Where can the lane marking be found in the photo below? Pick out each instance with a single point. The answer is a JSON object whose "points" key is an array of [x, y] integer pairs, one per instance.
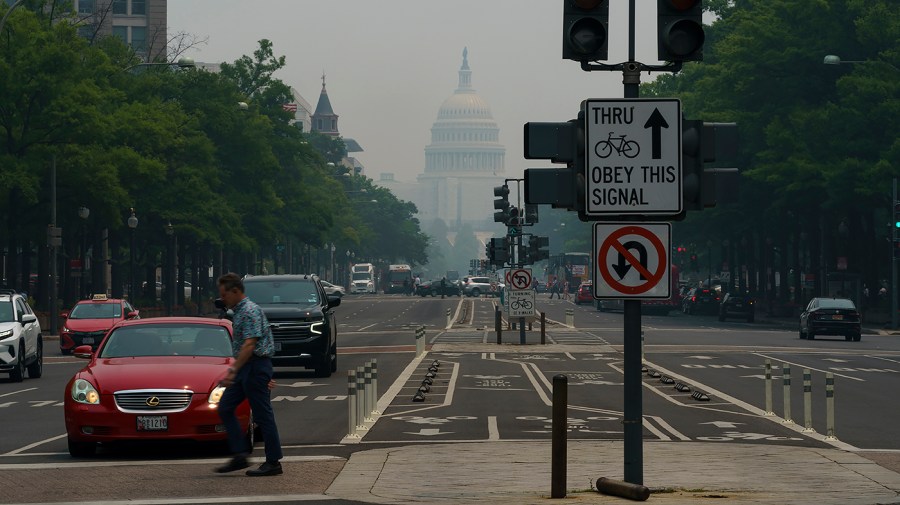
{"points": [[873, 357], [652, 429], [30, 446], [448, 398], [570, 356], [806, 366], [230, 499], [366, 327], [108, 464], [493, 429], [668, 427], [17, 392]]}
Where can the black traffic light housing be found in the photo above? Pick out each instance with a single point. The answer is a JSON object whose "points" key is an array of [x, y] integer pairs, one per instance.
{"points": [[497, 251], [705, 143], [680, 30], [585, 30], [538, 249], [501, 204], [559, 143]]}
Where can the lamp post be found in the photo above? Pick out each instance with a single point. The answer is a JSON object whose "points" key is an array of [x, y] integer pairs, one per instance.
{"points": [[332, 263], [170, 268], [348, 269], [11, 8], [132, 225], [83, 213]]}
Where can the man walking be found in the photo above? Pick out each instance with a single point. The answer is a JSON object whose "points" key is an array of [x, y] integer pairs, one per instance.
{"points": [[248, 378]]}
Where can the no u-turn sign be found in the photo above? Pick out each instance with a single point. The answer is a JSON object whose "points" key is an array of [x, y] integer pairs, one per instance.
{"points": [[632, 260]]}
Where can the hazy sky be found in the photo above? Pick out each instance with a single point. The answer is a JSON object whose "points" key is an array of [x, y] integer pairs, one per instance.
{"points": [[391, 63]]}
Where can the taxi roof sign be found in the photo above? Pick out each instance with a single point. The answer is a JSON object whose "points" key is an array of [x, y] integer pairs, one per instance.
{"points": [[99, 298]]}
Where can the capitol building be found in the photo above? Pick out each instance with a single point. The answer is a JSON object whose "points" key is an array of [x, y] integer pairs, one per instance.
{"points": [[463, 162]]}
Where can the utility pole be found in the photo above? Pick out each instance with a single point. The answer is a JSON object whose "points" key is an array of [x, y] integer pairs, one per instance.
{"points": [[55, 237]]}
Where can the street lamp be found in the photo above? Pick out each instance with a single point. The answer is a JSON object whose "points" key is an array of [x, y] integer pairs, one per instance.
{"points": [[83, 213], [132, 225], [170, 268], [332, 262]]}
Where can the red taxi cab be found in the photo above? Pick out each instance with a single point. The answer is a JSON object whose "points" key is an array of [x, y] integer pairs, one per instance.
{"points": [[89, 320], [152, 379]]}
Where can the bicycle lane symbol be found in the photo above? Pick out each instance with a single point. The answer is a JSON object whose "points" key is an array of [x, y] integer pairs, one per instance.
{"points": [[627, 148], [648, 280]]}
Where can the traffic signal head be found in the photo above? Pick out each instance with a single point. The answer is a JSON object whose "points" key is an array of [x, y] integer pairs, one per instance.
{"points": [[501, 204], [538, 249], [897, 215], [515, 214], [585, 30], [680, 30], [531, 213]]}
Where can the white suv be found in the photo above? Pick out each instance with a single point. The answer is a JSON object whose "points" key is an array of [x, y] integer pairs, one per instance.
{"points": [[21, 346], [477, 286]]}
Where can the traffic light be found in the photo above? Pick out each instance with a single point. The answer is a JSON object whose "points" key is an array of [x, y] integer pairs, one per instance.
{"points": [[692, 164], [704, 143], [897, 217], [559, 143], [585, 30], [515, 215], [680, 36], [501, 204], [531, 213], [694, 266], [498, 251], [538, 249]]}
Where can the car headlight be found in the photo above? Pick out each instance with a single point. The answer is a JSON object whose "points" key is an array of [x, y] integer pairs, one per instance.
{"points": [[316, 327], [84, 392], [215, 395], [5, 334], [65, 330]]}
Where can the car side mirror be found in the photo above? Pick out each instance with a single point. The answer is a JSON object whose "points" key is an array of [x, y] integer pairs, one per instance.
{"points": [[133, 314], [83, 351], [219, 303], [28, 318], [333, 301]]}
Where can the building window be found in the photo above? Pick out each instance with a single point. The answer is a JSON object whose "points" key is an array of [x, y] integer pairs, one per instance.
{"points": [[120, 7], [121, 32], [139, 39], [85, 6], [138, 7]]}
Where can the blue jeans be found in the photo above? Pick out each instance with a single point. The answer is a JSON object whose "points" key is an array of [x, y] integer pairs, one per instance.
{"points": [[252, 383]]}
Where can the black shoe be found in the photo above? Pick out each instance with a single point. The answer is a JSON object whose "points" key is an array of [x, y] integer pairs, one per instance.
{"points": [[266, 469], [237, 463]]}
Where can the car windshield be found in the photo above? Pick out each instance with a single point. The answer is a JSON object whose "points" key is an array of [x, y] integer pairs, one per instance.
{"points": [[7, 314], [836, 303], [362, 276], [167, 340], [288, 292], [96, 311]]}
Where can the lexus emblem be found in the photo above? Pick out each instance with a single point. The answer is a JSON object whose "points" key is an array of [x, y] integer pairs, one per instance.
{"points": [[153, 401]]}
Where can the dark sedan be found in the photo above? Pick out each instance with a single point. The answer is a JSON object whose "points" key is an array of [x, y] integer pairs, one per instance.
{"points": [[435, 288], [830, 316], [701, 300], [738, 306]]}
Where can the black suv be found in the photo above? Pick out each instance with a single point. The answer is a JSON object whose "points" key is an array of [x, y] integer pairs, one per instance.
{"points": [[301, 317]]}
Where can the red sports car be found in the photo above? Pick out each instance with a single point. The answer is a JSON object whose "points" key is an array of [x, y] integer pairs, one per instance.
{"points": [[89, 320], [152, 379]]}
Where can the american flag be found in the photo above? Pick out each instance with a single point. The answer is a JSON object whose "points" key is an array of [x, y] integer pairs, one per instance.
{"points": [[290, 107]]}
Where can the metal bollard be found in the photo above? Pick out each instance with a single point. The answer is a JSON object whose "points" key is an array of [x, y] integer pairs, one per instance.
{"points": [[786, 380], [420, 340], [367, 402], [448, 317], [351, 403], [360, 394], [829, 407], [570, 318], [375, 410], [769, 410], [543, 327], [559, 427], [498, 324], [623, 489], [807, 401], [642, 346]]}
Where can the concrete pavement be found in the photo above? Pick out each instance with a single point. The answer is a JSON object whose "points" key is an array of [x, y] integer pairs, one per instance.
{"points": [[518, 472]]}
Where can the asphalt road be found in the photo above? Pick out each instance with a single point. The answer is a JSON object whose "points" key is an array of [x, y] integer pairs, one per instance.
{"points": [[483, 391]]}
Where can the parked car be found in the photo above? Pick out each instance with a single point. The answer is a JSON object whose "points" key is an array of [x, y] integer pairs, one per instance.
{"points": [[433, 288], [301, 316], [89, 320], [152, 379], [584, 294], [701, 301], [830, 316], [21, 342], [333, 289], [737, 305]]}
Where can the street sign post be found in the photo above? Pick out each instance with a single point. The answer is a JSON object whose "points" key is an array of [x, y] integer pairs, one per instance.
{"points": [[632, 157], [632, 260], [521, 302]]}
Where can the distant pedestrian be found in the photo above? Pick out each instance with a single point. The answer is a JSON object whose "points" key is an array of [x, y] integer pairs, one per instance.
{"points": [[250, 378], [554, 289], [566, 291]]}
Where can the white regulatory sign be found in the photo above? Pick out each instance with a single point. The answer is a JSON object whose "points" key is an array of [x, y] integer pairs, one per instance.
{"points": [[632, 260], [519, 278], [521, 302], [633, 157]]}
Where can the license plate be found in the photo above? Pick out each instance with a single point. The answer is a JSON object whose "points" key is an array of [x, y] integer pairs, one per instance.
{"points": [[152, 423], [738, 305], [87, 340], [277, 346], [837, 317]]}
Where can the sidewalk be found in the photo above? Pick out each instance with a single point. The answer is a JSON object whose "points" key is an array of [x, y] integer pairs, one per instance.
{"points": [[518, 472]]}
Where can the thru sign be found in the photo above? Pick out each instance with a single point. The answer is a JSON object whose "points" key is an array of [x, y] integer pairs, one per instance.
{"points": [[633, 156]]}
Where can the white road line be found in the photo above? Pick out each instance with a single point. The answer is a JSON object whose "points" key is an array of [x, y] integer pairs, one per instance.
{"points": [[662, 436], [229, 499], [806, 366], [366, 327], [30, 446], [484, 355], [121, 463], [666, 426], [448, 398], [596, 410], [873, 357], [493, 430], [570, 356], [17, 392], [537, 386]]}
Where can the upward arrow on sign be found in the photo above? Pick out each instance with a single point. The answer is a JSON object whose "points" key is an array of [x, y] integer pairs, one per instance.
{"points": [[656, 122]]}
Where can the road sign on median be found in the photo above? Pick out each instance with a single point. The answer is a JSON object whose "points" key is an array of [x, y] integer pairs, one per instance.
{"points": [[520, 302], [632, 260], [633, 157]]}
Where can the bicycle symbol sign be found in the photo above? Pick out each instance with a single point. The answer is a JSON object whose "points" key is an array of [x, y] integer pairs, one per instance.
{"points": [[632, 260], [521, 302], [633, 157]]}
